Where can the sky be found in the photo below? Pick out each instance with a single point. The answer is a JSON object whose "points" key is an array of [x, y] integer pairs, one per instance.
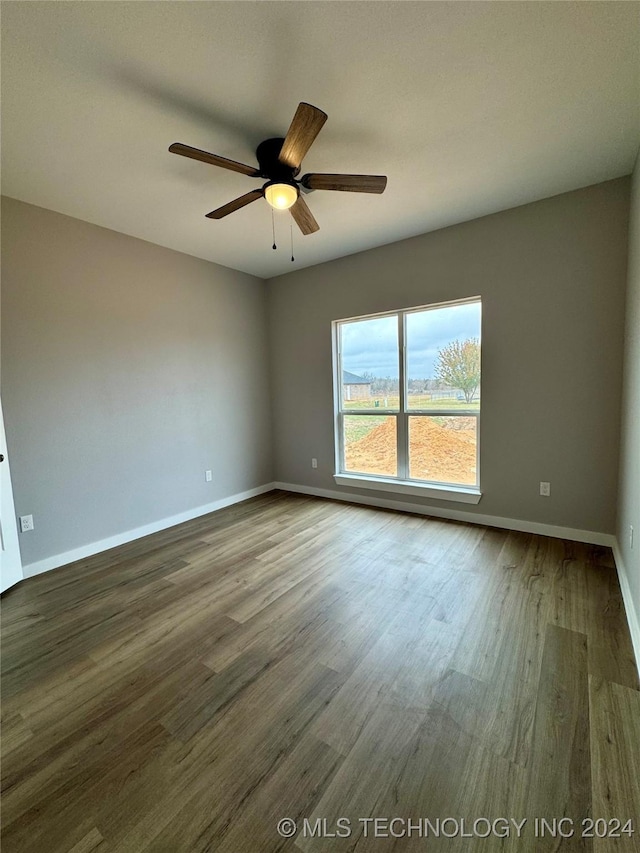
{"points": [[372, 345]]}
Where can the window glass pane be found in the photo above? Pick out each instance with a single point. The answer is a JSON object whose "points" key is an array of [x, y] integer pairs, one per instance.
{"points": [[443, 449], [443, 357], [370, 444], [370, 363]]}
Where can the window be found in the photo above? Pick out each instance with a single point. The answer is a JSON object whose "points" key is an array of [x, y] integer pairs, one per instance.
{"points": [[407, 394]]}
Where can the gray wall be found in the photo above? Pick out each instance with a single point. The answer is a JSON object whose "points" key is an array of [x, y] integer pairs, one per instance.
{"points": [[629, 495], [552, 280], [127, 370]]}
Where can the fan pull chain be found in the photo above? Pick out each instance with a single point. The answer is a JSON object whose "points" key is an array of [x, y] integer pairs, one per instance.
{"points": [[291, 228], [273, 230]]}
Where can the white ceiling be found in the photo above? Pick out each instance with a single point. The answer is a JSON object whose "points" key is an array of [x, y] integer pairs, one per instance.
{"points": [[469, 108]]}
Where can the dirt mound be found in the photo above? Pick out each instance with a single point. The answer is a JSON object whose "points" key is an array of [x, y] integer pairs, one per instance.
{"points": [[442, 449]]}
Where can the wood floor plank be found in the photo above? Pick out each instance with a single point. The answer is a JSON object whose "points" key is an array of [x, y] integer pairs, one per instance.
{"points": [[251, 822], [91, 841], [289, 621], [480, 796], [57, 757], [15, 732], [225, 761], [380, 747], [53, 820], [559, 783], [615, 761], [402, 669], [297, 657], [486, 627], [613, 663]]}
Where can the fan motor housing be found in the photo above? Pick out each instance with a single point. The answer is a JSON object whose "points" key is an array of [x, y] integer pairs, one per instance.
{"points": [[267, 154]]}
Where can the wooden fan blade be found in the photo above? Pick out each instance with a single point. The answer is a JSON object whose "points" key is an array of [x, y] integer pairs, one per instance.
{"points": [[303, 217], [346, 183], [236, 204], [306, 125], [214, 159]]}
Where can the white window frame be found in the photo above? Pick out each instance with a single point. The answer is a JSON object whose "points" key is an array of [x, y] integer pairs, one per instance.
{"points": [[402, 483]]}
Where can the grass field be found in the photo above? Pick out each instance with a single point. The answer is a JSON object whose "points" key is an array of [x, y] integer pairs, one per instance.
{"points": [[415, 401], [358, 427]]}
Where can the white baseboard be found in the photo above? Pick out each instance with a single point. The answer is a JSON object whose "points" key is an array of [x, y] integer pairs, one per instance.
{"points": [[92, 548], [589, 536], [633, 617]]}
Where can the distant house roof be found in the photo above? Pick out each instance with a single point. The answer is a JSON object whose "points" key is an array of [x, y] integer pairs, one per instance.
{"points": [[353, 379]]}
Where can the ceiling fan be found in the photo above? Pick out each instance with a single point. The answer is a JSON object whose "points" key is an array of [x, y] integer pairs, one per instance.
{"points": [[279, 161]]}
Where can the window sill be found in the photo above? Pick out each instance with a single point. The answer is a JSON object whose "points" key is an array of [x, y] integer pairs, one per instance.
{"points": [[461, 494]]}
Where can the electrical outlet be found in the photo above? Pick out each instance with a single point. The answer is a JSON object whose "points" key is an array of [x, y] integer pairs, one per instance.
{"points": [[26, 523], [631, 536], [314, 463], [545, 489], [207, 476]]}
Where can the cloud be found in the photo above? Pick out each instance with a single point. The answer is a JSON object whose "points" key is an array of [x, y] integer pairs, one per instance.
{"points": [[371, 346]]}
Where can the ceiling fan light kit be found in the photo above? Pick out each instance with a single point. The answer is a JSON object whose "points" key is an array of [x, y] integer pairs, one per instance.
{"points": [[279, 161], [281, 196]]}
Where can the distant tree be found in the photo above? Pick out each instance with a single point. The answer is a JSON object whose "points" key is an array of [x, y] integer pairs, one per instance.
{"points": [[384, 385], [458, 365]]}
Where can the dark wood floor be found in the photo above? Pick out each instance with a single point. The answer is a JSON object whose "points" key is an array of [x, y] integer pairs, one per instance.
{"points": [[293, 657]]}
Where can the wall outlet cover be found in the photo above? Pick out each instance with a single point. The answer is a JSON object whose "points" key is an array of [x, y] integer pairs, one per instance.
{"points": [[26, 523]]}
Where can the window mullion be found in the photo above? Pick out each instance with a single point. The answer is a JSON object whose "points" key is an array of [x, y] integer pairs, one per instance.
{"points": [[402, 431], [338, 403]]}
